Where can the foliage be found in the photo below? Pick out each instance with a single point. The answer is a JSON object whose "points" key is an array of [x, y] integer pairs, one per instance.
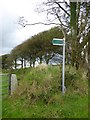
{"points": [[5, 61], [72, 17], [37, 47]]}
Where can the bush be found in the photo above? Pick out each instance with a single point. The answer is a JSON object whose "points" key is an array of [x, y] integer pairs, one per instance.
{"points": [[41, 83], [76, 80]]}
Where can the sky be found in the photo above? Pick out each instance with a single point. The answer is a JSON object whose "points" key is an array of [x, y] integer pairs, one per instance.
{"points": [[11, 33]]}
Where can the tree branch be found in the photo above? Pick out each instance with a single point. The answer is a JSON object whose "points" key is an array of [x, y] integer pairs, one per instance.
{"points": [[63, 31], [62, 8], [24, 25]]}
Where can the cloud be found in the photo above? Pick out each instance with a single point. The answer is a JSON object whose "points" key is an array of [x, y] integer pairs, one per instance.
{"points": [[8, 28], [11, 34]]}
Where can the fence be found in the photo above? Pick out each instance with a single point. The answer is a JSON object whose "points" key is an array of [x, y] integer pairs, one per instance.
{"points": [[8, 83]]}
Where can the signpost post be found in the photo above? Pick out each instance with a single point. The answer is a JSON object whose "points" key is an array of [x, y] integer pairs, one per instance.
{"points": [[61, 42]]}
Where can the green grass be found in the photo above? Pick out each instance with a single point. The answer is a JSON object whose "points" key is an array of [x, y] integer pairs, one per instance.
{"points": [[67, 107], [39, 94], [3, 90]]}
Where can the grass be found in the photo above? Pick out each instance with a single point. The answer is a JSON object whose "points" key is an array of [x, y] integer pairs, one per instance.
{"points": [[39, 94], [4, 83], [3, 90]]}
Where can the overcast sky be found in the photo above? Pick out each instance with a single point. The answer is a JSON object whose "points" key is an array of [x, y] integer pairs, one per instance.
{"points": [[11, 34]]}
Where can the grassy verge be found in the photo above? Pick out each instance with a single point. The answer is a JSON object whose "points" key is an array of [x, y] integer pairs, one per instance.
{"points": [[39, 94]]}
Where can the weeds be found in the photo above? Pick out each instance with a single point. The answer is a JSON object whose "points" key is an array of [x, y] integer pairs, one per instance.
{"points": [[39, 94]]}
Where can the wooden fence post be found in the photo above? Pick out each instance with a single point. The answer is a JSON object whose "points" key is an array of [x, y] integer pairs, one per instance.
{"points": [[9, 91]]}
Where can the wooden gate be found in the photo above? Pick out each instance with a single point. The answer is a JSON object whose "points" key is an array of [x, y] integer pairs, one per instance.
{"points": [[5, 84]]}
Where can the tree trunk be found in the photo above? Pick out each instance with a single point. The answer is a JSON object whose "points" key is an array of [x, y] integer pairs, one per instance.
{"points": [[33, 63], [47, 61], [89, 55], [74, 33], [40, 59], [73, 53], [15, 63], [30, 63], [24, 63]]}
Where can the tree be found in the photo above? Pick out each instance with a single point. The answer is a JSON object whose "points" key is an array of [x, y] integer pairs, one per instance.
{"points": [[71, 18], [6, 62], [38, 47], [78, 30]]}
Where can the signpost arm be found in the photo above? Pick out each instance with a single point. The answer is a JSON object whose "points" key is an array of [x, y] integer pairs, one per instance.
{"points": [[63, 69]]}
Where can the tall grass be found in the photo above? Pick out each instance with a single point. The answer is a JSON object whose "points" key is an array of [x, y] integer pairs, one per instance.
{"points": [[39, 94]]}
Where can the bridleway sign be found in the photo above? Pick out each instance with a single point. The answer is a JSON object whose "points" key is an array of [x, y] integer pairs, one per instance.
{"points": [[61, 42]]}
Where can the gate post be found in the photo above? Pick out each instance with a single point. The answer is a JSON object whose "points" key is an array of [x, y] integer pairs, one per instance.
{"points": [[9, 88], [14, 83]]}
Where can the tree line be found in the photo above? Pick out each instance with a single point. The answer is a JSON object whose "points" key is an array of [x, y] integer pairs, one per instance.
{"points": [[72, 19], [37, 48]]}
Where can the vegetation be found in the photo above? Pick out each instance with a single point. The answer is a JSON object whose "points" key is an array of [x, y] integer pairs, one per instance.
{"points": [[37, 48], [39, 94], [73, 18], [5, 61]]}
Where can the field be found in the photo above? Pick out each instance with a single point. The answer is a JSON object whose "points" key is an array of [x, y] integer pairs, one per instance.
{"points": [[0, 97], [3, 89], [39, 94]]}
